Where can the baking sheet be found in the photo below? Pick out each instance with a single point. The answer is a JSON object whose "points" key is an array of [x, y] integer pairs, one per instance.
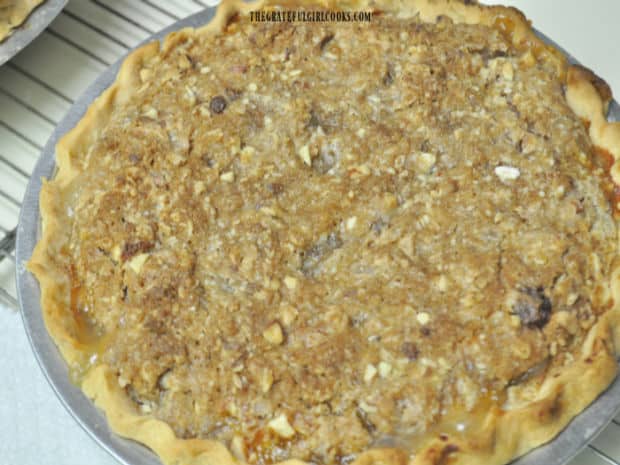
{"points": [[34, 24], [559, 452]]}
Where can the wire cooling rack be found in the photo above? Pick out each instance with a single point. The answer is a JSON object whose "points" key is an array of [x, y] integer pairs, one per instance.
{"points": [[39, 85]]}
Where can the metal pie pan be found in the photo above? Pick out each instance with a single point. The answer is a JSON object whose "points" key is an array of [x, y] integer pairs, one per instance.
{"points": [[32, 26], [558, 452]]}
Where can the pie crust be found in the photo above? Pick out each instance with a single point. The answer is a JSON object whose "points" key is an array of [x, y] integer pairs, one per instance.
{"points": [[13, 13], [502, 435]]}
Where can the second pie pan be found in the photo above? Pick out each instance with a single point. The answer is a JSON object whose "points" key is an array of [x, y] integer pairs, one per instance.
{"points": [[558, 452], [35, 24]]}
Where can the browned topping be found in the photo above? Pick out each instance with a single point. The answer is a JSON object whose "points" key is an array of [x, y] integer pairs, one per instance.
{"points": [[347, 245], [132, 248]]}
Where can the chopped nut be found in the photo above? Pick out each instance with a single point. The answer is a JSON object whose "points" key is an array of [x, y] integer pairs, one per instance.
{"points": [[151, 112], [281, 426], [238, 382], [571, 298], [205, 70], [567, 320], [190, 96], [228, 176], [390, 201], [521, 349], [137, 262], [177, 159], [304, 154], [122, 381], [274, 334], [247, 154], [369, 373], [252, 87], [507, 173], [384, 369], [427, 362], [361, 170], [423, 318], [443, 363], [183, 62], [406, 245], [238, 449], [351, 222], [231, 407], [199, 187], [266, 380], [425, 161], [442, 283], [269, 211], [290, 282], [508, 71], [116, 253], [528, 59], [288, 315], [238, 368], [367, 407]]}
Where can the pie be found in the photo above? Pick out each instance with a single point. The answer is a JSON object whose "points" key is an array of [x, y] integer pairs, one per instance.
{"points": [[374, 242], [13, 13]]}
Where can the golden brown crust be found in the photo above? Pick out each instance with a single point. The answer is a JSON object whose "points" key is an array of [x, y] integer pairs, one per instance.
{"points": [[589, 97], [13, 13], [506, 434]]}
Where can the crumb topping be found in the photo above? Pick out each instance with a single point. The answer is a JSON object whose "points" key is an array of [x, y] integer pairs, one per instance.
{"points": [[307, 239]]}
